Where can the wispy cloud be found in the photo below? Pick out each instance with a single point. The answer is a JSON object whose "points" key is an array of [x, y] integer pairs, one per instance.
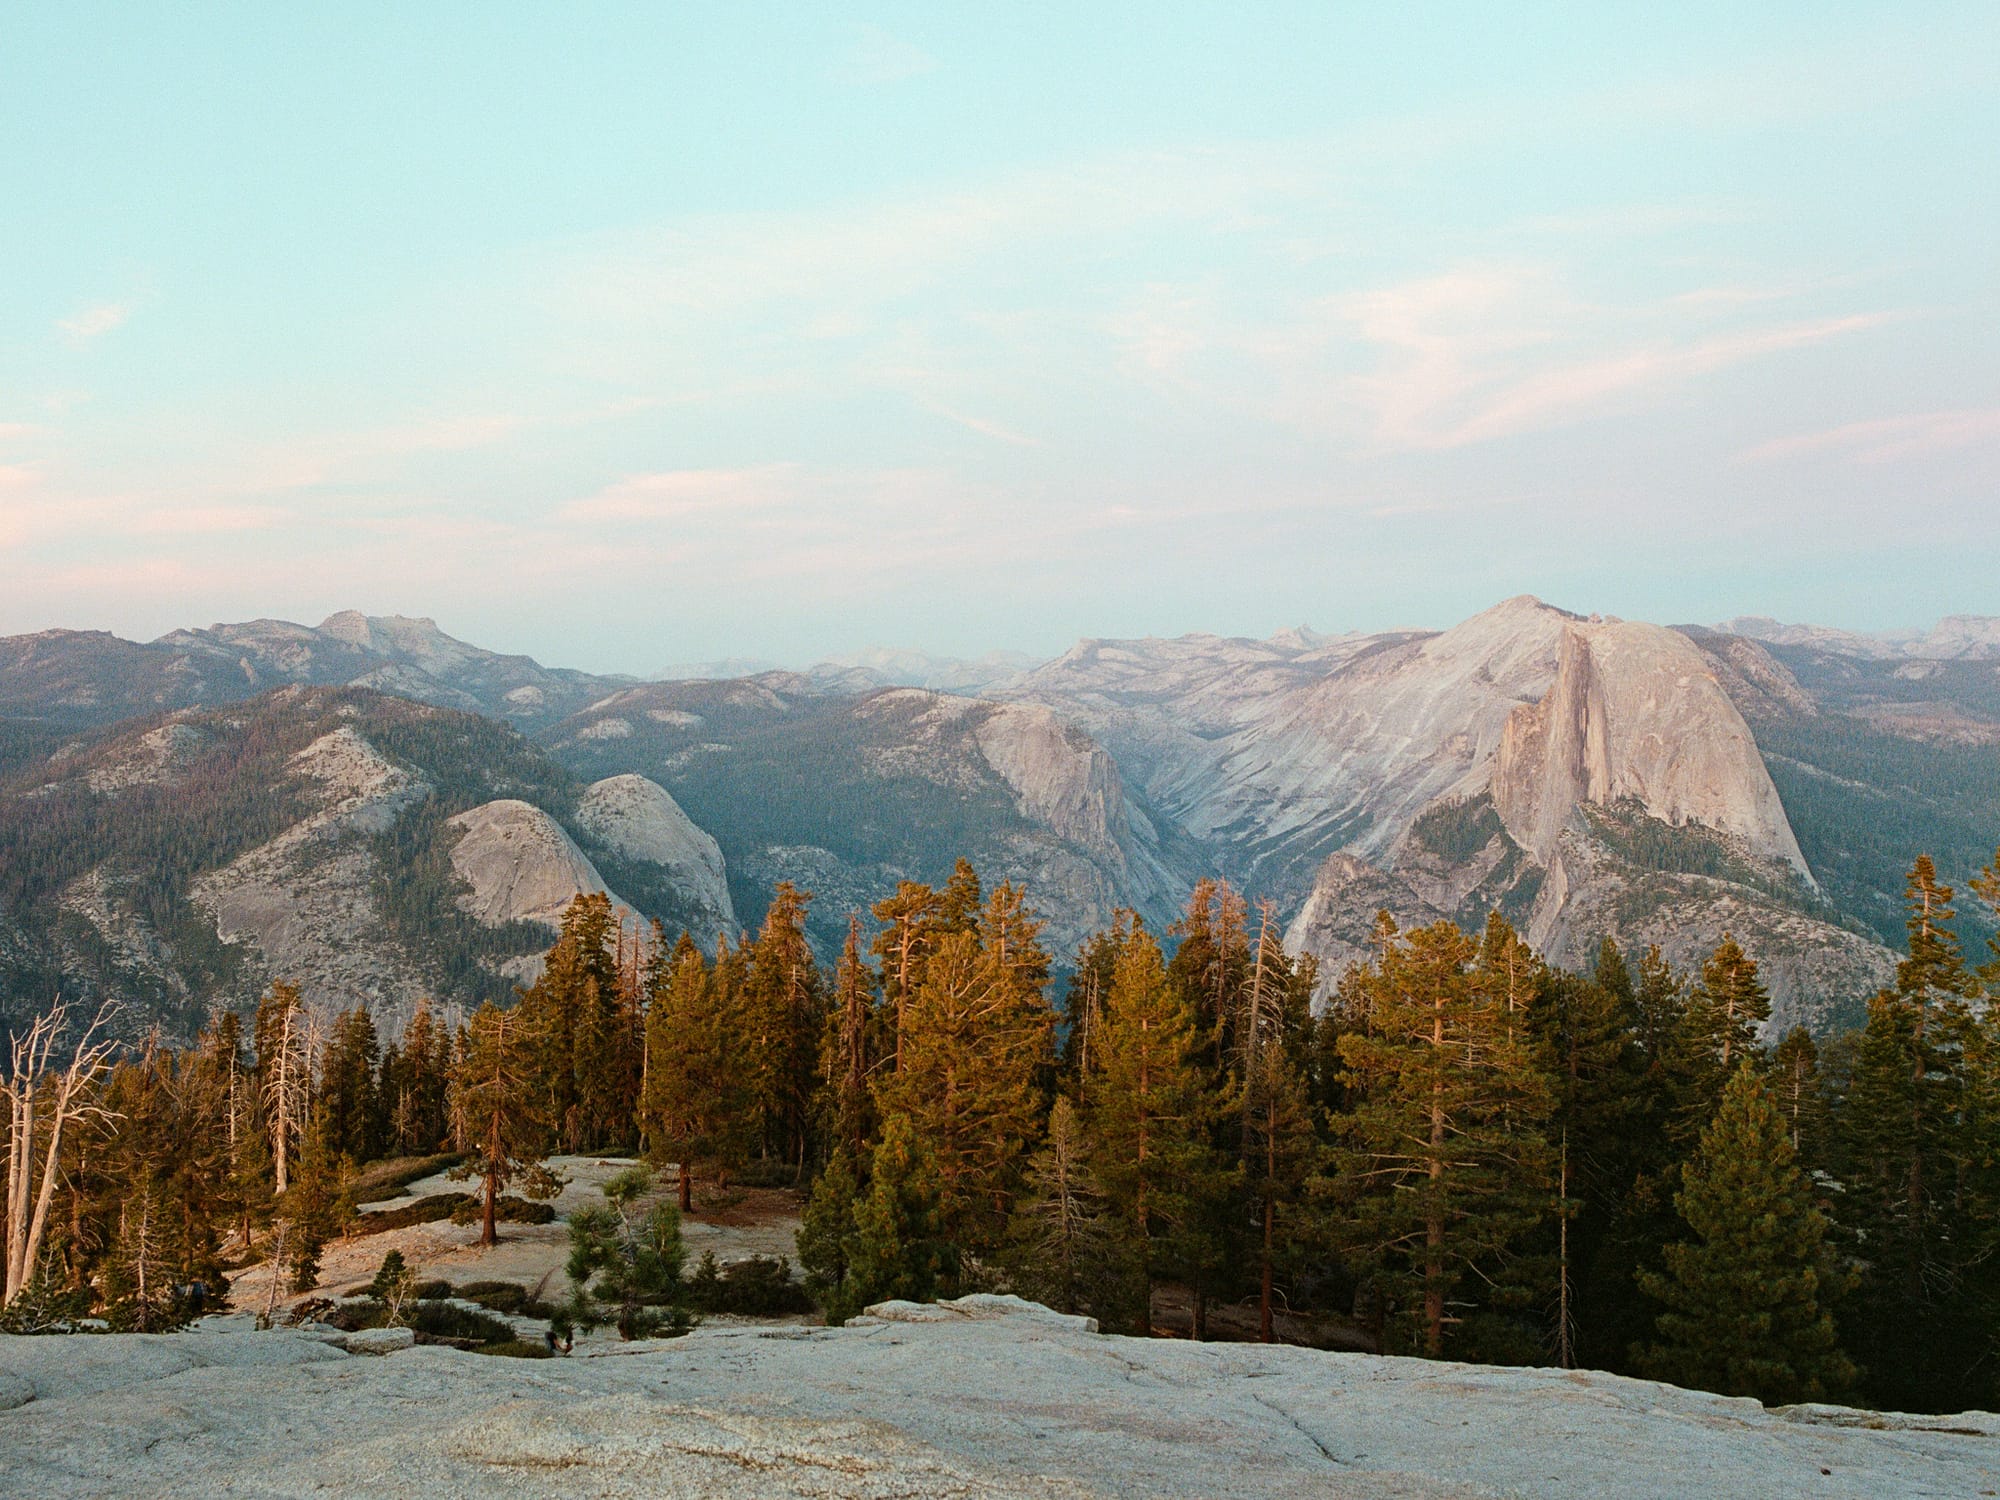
{"points": [[877, 57], [679, 494], [91, 323], [1488, 353], [1887, 439]]}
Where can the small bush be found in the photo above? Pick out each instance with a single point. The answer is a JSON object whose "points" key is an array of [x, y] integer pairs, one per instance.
{"points": [[506, 1297], [516, 1349], [755, 1287], [446, 1320], [460, 1208], [387, 1179], [431, 1210], [507, 1210], [434, 1289]]}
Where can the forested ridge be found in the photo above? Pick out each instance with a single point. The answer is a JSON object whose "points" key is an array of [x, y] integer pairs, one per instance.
{"points": [[1468, 1154]]}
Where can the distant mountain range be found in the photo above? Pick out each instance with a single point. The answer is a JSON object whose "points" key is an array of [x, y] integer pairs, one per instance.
{"points": [[379, 810]]}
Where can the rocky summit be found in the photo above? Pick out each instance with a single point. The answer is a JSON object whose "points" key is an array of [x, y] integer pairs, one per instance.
{"points": [[984, 1397]]}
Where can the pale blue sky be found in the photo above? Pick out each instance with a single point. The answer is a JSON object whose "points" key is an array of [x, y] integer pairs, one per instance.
{"points": [[629, 334]]}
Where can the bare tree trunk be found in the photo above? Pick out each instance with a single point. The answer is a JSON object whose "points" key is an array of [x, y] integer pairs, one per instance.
{"points": [[1270, 1212], [28, 1071], [687, 1184], [489, 1233], [277, 1269], [1434, 1221], [1565, 1354]]}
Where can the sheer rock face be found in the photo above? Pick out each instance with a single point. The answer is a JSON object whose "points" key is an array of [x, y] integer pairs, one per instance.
{"points": [[1065, 782], [637, 818], [985, 1397], [1636, 714], [521, 866]]}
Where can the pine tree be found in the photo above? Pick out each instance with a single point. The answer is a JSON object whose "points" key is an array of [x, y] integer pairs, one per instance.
{"points": [[783, 1011], [1089, 982], [695, 1110], [1658, 998], [1151, 1118], [976, 1037], [498, 1101], [1745, 1297], [1718, 1029], [1442, 1164], [862, 1245], [313, 1207], [625, 1267], [1909, 1141], [1064, 1250], [587, 1048], [285, 1046], [1281, 1155], [1797, 1087], [909, 931], [414, 1080], [848, 1049], [348, 1101], [1585, 1047]]}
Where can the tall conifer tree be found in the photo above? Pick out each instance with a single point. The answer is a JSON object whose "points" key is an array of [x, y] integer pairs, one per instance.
{"points": [[1745, 1296]]}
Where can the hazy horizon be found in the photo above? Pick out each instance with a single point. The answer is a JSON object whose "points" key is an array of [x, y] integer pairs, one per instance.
{"points": [[624, 336]]}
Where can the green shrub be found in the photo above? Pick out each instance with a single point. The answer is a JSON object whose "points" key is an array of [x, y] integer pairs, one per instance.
{"points": [[755, 1287], [506, 1297], [389, 1178], [446, 1320], [1458, 829], [460, 1208], [516, 1349]]}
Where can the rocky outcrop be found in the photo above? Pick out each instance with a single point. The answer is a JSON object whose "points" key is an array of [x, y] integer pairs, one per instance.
{"points": [[984, 1398], [1336, 921], [1636, 715], [638, 819], [303, 903], [521, 866]]}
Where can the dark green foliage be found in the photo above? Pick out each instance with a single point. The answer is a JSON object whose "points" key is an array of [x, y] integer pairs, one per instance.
{"points": [[506, 1297], [1745, 1296], [447, 1320], [350, 1107], [1649, 843], [314, 1208], [1458, 829], [460, 1208], [873, 1242], [757, 1287], [390, 1177], [518, 1349], [1915, 1136], [1064, 1248], [1861, 799], [625, 1268], [1442, 1167], [1717, 1030]]}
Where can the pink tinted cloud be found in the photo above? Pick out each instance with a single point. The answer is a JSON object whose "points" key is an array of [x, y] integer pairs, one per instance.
{"points": [[1888, 439]]}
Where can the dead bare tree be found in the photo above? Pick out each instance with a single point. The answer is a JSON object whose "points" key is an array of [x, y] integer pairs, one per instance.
{"points": [[34, 1081], [288, 1083]]}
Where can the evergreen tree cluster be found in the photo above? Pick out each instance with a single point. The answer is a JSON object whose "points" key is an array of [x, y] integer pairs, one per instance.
{"points": [[1465, 1153]]}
